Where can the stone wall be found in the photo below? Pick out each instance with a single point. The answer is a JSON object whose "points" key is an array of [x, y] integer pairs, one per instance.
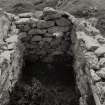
{"points": [[45, 37], [10, 62], [55, 33], [91, 43]]}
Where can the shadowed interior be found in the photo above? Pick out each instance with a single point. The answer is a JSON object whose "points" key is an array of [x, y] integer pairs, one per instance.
{"points": [[56, 82]]}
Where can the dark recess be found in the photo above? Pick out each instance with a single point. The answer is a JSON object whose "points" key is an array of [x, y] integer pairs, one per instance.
{"points": [[47, 84]]}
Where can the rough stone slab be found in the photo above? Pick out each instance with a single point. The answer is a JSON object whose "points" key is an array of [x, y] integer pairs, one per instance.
{"points": [[11, 46], [36, 38], [3, 65], [23, 21], [56, 42], [12, 39], [58, 34], [52, 16], [91, 30], [102, 62], [38, 14], [101, 73], [56, 53], [63, 22], [25, 15], [95, 77], [48, 35], [6, 54], [100, 51], [48, 10], [26, 28], [20, 27], [37, 31], [47, 39], [91, 44], [14, 30], [22, 35], [41, 31], [32, 32], [48, 59], [92, 59], [34, 25], [45, 24], [100, 39], [58, 29]]}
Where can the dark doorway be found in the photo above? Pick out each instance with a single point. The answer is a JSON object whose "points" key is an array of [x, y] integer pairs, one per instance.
{"points": [[47, 83]]}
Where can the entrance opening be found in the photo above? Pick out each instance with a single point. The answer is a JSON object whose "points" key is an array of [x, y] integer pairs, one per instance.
{"points": [[46, 83]]}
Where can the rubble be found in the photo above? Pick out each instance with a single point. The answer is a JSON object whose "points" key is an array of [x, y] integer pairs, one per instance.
{"points": [[102, 62], [100, 51]]}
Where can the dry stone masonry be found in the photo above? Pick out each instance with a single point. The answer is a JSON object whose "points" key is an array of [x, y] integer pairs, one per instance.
{"points": [[45, 37], [10, 58], [54, 33]]}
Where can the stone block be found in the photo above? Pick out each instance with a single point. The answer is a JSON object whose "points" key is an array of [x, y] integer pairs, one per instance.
{"points": [[92, 59], [41, 31], [20, 27], [48, 35], [14, 30], [58, 29], [58, 34], [100, 51], [3, 65], [23, 21], [101, 73], [100, 39], [48, 59], [4, 78], [26, 28], [7, 54], [36, 38], [56, 42], [25, 15], [102, 62], [91, 43], [95, 77], [52, 16], [11, 46], [34, 25], [63, 22], [42, 52], [47, 39], [38, 14], [49, 10], [57, 53], [45, 24], [12, 39], [37, 31], [22, 35], [32, 32]]}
